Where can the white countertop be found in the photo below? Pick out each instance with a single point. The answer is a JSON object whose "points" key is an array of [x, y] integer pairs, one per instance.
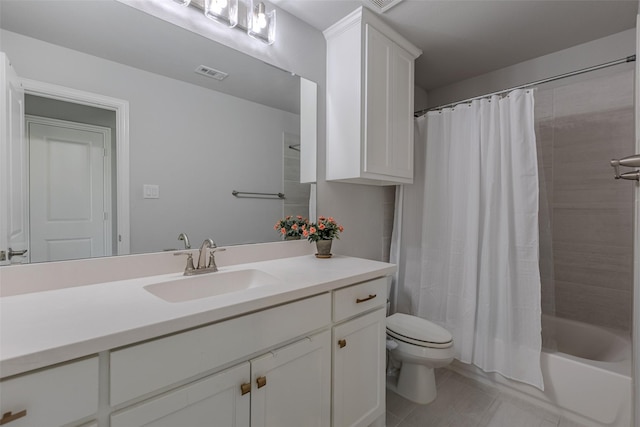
{"points": [[44, 328]]}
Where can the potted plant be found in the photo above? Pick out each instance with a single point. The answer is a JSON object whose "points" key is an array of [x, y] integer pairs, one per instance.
{"points": [[291, 227], [323, 232]]}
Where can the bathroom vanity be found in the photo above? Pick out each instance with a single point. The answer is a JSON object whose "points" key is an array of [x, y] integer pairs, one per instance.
{"points": [[292, 341]]}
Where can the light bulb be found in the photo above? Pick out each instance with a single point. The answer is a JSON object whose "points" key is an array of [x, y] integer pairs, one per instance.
{"points": [[261, 21], [261, 25], [218, 5], [260, 18]]}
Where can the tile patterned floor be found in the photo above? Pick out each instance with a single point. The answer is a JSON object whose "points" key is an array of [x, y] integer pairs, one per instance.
{"points": [[463, 402]]}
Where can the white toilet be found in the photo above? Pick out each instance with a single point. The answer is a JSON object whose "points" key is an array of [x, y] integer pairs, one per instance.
{"points": [[422, 346]]}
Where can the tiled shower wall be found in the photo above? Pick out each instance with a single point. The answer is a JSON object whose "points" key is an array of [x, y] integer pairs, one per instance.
{"points": [[581, 126], [296, 200]]}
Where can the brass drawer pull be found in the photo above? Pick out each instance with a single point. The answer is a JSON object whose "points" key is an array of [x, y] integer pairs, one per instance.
{"points": [[342, 343], [7, 417], [245, 388], [262, 381], [358, 300]]}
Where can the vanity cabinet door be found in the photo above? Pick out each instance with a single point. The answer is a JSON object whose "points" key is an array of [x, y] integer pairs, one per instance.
{"points": [[217, 400], [358, 370], [291, 385], [51, 397]]}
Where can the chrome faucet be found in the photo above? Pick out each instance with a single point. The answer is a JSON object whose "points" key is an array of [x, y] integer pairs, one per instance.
{"points": [[202, 258], [207, 246], [185, 238]]}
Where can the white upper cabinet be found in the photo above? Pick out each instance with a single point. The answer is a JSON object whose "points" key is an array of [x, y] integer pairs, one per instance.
{"points": [[370, 82]]}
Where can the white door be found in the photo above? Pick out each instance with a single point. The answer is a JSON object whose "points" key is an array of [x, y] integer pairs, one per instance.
{"points": [[217, 400], [70, 190], [358, 370], [291, 385], [13, 167]]}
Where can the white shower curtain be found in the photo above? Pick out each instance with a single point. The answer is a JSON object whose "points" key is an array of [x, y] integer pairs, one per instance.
{"points": [[475, 269]]}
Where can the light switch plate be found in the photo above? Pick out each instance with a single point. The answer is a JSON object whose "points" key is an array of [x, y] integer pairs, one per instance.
{"points": [[150, 191]]}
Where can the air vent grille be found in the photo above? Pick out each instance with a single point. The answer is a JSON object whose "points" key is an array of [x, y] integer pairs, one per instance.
{"points": [[211, 72], [381, 6]]}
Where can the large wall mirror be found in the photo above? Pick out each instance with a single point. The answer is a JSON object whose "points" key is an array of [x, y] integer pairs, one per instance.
{"points": [[192, 139]]}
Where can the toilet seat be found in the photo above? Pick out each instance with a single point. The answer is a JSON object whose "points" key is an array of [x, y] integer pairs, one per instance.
{"points": [[417, 331]]}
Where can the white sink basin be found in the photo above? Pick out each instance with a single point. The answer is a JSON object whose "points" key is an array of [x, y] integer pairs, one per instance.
{"points": [[211, 284]]}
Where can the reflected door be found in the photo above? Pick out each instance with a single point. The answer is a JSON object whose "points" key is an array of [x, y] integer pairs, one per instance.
{"points": [[70, 191], [13, 166]]}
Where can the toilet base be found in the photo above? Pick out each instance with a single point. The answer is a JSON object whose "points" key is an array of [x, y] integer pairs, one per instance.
{"points": [[416, 383]]}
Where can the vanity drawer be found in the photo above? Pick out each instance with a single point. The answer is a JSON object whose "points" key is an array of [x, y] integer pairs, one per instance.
{"points": [[52, 396], [153, 365], [356, 299]]}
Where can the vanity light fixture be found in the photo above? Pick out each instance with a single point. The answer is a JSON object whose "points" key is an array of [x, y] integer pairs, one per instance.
{"points": [[261, 25], [223, 11]]}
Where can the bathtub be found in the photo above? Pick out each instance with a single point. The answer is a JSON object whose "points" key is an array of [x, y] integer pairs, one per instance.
{"points": [[586, 371]]}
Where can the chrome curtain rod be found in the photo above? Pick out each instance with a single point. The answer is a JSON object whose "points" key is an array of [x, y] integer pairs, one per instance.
{"points": [[631, 58]]}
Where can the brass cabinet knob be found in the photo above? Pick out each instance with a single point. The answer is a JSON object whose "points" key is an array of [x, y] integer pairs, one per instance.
{"points": [[342, 343], [262, 381], [245, 388]]}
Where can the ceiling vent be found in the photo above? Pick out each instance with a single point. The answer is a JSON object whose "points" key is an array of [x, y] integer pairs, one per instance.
{"points": [[211, 72], [380, 6]]}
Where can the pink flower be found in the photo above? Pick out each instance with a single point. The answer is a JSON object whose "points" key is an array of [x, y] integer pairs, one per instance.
{"points": [[341, 228], [283, 230], [331, 219], [275, 227], [321, 226], [294, 227], [321, 218], [305, 233], [312, 230], [299, 217]]}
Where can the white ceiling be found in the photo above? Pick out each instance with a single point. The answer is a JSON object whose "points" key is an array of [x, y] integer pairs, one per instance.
{"points": [[463, 39]]}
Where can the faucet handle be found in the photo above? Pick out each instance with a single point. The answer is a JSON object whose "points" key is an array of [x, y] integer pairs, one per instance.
{"points": [[212, 259], [190, 267]]}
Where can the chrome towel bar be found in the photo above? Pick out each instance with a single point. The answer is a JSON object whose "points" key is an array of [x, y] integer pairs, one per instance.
{"points": [[258, 195]]}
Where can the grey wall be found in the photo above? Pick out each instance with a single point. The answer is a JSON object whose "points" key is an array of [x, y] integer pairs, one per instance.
{"points": [[192, 142], [581, 126]]}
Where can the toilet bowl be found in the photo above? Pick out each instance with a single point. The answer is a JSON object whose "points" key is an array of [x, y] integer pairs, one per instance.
{"points": [[422, 346]]}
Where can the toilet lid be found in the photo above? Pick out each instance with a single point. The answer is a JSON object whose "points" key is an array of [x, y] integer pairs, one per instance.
{"points": [[418, 331]]}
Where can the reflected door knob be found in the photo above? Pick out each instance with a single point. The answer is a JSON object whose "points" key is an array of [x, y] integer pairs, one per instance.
{"points": [[13, 253]]}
